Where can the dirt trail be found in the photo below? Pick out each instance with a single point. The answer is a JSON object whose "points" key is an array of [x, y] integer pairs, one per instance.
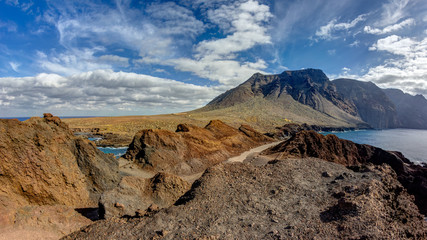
{"points": [[247, 154]]}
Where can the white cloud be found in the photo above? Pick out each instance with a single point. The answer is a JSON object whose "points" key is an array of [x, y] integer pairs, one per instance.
{"points": [[245, 26], [71, 61], [391, 28], [227, 72], [9, 25], [101, 90], [122, 61], [406, 69], [15, 66], [396, 45], [355, 43], [327, 31], [392, 12]]}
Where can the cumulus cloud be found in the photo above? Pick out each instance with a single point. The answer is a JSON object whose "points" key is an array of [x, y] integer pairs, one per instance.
{"points": [[392, 28], [327, 31], [101, 90], [406, 69], [245, 26]]}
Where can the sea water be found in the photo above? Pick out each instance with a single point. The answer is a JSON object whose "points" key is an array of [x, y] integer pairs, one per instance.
{"points": [[411, 142], [118, 152]]}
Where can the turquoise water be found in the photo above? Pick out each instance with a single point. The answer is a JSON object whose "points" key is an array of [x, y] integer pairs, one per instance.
{"points": [[116, 151], [411, 142]]}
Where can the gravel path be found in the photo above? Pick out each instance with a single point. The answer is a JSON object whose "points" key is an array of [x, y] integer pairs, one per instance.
{"points": [[246, 154]]}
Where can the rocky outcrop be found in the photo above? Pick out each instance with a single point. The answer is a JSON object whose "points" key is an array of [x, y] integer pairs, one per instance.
{"points": [[287, 199], [291, 129], [136, 196], [411, 110], [373, 106], [43, 163], [190, 149], [331, 148]]}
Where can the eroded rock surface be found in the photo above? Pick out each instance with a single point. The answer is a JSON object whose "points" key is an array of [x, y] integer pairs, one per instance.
{"points": [[191, 149], [43, 163], [135, 195], [331, 148], [286, 199]]}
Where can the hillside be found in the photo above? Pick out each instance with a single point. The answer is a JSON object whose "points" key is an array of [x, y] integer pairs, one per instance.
{"points": [[411, 110], [304, 96], [373, 105]]}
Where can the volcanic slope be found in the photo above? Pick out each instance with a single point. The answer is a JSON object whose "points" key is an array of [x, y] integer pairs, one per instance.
{"points": [[411, 110], [304, 96], [372, 103]]}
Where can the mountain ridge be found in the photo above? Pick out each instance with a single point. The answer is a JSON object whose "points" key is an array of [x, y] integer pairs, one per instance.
{"points": [[308, 96]]}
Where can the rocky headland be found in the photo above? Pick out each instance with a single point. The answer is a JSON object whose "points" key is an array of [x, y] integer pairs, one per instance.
{"points": [[309, 186], [178, 185]]}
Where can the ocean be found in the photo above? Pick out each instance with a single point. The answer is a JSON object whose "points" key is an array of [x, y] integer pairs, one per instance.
{"points": [[116, 151], [411, 142]]}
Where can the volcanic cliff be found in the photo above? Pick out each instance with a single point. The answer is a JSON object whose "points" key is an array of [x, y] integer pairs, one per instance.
{"points": [[373, 105], [44, 164]]}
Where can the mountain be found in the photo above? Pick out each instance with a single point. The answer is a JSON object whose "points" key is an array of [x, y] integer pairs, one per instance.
{"points": [[373, 105], [303, 96], [411, 110]]}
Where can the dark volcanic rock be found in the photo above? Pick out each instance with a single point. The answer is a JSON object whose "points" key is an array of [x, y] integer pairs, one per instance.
{"points": [[331, 148], [291, 129], [191, 149], [411, 110], [373, 106], [287, 199], [309, 87]]}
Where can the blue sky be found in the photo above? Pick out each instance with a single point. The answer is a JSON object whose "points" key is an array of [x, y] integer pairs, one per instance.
{"points": [[147, 57]]}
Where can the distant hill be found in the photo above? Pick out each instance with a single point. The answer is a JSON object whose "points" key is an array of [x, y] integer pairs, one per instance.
{"points": [[303, 96], [411, 110], [373, 105]]}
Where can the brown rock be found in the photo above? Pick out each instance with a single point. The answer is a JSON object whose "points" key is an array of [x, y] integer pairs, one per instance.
{"points": [[43, 163], [191, 149], [135, 195], [226, 202], [331, 148]]}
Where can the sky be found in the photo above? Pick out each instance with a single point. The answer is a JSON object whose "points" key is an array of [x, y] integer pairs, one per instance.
{"points": [[123, 57]]}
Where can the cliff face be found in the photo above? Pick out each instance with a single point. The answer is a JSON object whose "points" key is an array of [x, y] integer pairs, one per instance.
{"points": [[331, 148], [411, 110], [42, 163], [190, 149], [373, 105]]}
